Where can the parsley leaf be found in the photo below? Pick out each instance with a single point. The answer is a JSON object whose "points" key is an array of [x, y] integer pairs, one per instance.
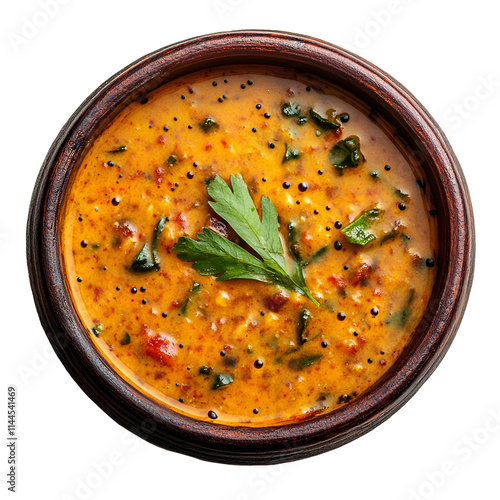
{"points": [[213, 254]]}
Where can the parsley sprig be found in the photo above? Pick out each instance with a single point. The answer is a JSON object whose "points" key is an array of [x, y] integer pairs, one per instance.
{"points": [[213, 254]]}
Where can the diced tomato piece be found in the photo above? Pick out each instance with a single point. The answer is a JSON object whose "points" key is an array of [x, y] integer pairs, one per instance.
{"points": [[350, 346], [338, 281], [361, 274], [160, 346], [275, 302]]}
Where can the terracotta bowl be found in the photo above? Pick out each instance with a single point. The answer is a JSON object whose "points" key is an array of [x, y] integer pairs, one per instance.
{"points": [[238, 445]]}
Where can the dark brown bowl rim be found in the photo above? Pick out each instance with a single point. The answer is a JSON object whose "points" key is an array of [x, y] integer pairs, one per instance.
{"points": [[216, 442]]}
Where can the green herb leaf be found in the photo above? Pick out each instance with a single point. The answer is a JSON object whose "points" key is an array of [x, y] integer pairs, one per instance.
{"points": [[316, 256], [302, 324], [147, 259], [97, 329], [125, 339], [356, 232], [293, 242], [323, 123], [401, 194], [346, 154], [172, 160], [290, 154], [121, 149], [392, 233], [400, 318], [213, 254], [208, 125], [293, 110], [194, 290], [221, 380], [204, 370], [301, 363]]}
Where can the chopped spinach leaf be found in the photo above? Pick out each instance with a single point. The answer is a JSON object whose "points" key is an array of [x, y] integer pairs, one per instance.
{"points": [[125, 339], [356, 232], [392, 233], [293, 241], [302, 324], [293, 110], [400, 193], [400, 318], [221, 380], [147, 259], [208, 125], [97, 329], [290, 154], [323, 123], [194, 290], [204, 370], [301, 363], [346, 154], [316, 256], [121, 149], [405, 238]]}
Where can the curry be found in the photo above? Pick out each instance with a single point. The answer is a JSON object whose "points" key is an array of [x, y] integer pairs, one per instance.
{"points": [[249, 246]]}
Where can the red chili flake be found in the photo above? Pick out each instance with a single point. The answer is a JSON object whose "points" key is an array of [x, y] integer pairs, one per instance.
{"points": [[275, 302], [338, 281], [362, 273], [382, 362], [162, 139], [159, 173], [181, 221], [97, 293]]}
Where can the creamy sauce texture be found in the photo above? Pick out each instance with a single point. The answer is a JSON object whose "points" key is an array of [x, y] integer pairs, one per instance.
{"points": [[240, 351]]}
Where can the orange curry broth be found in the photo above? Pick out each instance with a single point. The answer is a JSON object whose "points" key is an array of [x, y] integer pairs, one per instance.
{"points": [[177, 350]]}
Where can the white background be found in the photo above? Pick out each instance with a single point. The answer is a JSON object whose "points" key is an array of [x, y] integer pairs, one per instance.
{"points": [[446, 53]]}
